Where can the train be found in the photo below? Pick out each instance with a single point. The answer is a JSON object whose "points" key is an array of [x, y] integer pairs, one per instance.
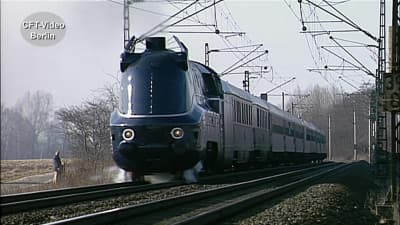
{"points": [[175, 113]]}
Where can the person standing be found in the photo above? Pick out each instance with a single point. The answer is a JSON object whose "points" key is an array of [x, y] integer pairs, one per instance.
{"points": [[57, 167]]}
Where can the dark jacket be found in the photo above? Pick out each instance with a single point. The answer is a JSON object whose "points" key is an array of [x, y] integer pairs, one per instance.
{"points": [[57, 162]]}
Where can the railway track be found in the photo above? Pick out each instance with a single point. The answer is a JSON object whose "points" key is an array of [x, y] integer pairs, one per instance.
{"points": [[207, 206], [22, 202], [16, 203]]}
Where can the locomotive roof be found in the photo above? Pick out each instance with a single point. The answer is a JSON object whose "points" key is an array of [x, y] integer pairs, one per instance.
{"points": [[203, 68]]}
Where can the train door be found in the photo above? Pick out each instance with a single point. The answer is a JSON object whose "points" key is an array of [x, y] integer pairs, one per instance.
{"points": [[215, 150], [214, 93]]}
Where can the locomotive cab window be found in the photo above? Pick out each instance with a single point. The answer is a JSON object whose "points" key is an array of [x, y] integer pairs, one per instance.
{"points": [[147, 89]]}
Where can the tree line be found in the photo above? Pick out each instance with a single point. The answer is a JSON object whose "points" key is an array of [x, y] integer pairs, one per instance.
{"points": [[317, 104], [34, 129]]}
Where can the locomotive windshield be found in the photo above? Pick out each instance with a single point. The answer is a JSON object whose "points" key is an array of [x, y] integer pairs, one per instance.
{"points": [[150, 88]]}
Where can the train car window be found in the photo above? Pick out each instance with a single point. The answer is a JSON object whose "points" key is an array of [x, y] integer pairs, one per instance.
{"points": [[251, 115], [243, 115], [258, 117], [234, 110], [239, 110], [212, 83], [265, 119], [200, 87], [246, 109], [248, 113]]}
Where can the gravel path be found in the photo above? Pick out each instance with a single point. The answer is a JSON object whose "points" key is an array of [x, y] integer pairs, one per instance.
{"points": [[335, 200]]}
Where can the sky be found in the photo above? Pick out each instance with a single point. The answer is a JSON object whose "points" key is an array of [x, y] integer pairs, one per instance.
{"points": [[87, 58]]}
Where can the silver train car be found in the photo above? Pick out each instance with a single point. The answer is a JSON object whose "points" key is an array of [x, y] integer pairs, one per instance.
{"points": [[175, 113]]}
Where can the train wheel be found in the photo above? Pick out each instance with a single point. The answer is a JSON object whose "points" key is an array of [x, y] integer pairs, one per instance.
{"points": [[137, 177]]}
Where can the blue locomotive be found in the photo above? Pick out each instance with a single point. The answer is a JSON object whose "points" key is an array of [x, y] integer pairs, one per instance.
{"points": [[174, 113]]}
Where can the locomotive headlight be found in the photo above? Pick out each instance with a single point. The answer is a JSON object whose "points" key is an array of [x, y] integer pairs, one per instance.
{"points": [[128, 134], [177, 133]]}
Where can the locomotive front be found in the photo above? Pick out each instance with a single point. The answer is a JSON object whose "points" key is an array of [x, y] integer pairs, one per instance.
{"points": [[156, 128]]}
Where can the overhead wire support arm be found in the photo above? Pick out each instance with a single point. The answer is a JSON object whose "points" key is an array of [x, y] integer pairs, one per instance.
{"points": [[356, 42], [328, 69], [347, 61], [238, 47], [233, 51], [250, 60], [324, 21], [340, 77], [257, 72], [351, 55], [346, 20], [280, 85], [148, 33], [327, 32], [206, 32], [238, 61], [195, 13], [351, 46]]}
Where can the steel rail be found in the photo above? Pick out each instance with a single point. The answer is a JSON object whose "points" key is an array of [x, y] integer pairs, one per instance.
{"points": [[118, 214], [231, 208], [17, 203], [67, 196], [57, 192], [12, 198]]}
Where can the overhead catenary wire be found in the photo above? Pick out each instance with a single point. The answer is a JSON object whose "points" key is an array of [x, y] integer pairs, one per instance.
{"points": [[320, 37], [184, 14], [154, 29]]}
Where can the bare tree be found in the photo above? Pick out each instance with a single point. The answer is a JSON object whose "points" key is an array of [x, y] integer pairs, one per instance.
{"points": [[16, 135], [36, 108], [87, 128], [323, 102]]}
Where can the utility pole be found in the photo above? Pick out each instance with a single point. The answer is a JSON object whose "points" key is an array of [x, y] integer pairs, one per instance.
{"points": [[395, 117], [246, 81], [292, 108], [301, 96], [369, 133], [283, 101], [330, 138], [206, 55], [354, 135]]}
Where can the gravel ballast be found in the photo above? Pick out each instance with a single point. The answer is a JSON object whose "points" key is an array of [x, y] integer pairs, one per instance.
{"points": [[340, 199], [63, 212]]}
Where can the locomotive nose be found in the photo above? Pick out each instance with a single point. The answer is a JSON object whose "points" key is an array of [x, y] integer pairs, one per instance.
{"points": [[156, 149]]}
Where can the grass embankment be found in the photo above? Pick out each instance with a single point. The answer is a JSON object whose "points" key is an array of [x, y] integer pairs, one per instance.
{"points": [[15, 169], [76, 173]]}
